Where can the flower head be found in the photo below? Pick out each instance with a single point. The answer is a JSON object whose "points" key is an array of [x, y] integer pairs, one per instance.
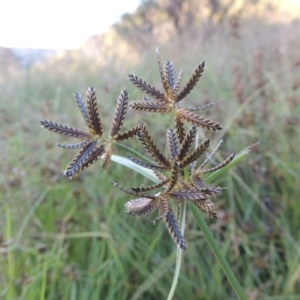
{"points": [[94, 144], [171, 98]]}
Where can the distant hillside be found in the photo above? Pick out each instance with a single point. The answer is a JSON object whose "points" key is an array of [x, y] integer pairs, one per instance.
{"points": [[29, 56]]}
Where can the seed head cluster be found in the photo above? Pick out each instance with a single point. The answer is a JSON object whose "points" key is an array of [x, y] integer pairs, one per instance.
{"points": [[180, 173]]}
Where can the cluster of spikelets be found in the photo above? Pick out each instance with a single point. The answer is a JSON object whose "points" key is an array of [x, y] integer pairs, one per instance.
{"points": [[180, 176]]}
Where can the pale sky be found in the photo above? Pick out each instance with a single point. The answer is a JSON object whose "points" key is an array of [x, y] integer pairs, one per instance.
{"points": [[57, 24]]}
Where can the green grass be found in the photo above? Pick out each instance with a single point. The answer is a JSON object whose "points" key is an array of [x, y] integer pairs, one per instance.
{"points": [[73, 239]]}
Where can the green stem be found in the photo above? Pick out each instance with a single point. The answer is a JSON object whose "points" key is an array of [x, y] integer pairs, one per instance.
{"points": [[217, 251]]}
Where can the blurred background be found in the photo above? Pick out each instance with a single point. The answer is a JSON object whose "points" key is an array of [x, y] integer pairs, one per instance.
{"points": [[62, 239]]}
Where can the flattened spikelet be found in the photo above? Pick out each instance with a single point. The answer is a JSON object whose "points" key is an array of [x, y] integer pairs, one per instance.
{"points": [[75, 146], [177, 85], [169, 74], [207, 207], [193, 156], [141, 207], [146, 87], [149, 145], [159, 175], [199, 121], [198, 181], [173, 177], [65, 130], [221, 165], [163, 207], [127, 134], [163, 79], [186, 143], [188, 195], [120, 112], [82, 107], [178, 205], [179, 128], [172, 143], [150, 106], [95, 125], [131, 192], [174, 230], [106, 158], [208, 158], [151, 187], [192, 81], [79, 161]]}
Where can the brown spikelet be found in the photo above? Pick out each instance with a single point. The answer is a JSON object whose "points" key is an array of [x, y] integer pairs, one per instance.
{"points": [[127, 134], [211, 191], [120, 112], [146, 165], [82, 107], [192, 81], [79, 162], [65, 130], [149, 145], [199, 121], [163, 207], [197, 108], [172, 143], [178, 205], [106, 157], [221, 165], [151, 187], [159, 175], [141, 207], [188, 195], [207, 207], [95, 126], [198, 181], [173, 177], [174, 230], [177, 85], [186, 143], [179, 128], [146, 87], [163, 79], [170, 76], [75, 146], [209, 157], [195, 154], [150, 106], [131, 192]]}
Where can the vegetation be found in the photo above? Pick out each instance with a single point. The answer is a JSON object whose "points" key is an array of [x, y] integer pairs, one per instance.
{"points": [[63, 239]]}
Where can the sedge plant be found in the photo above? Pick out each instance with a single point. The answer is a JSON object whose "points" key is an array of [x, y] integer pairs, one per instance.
{"points": [[182, 176]]}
